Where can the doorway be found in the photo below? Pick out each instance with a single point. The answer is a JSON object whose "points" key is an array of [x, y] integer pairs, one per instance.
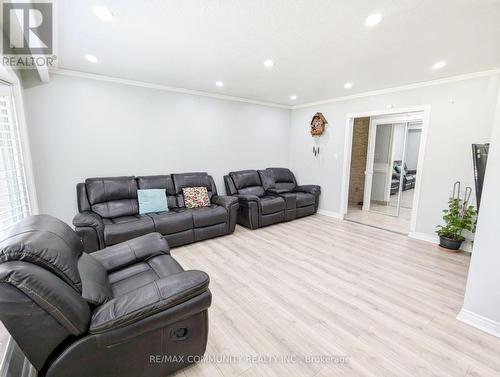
{"points": [[384, 159]]}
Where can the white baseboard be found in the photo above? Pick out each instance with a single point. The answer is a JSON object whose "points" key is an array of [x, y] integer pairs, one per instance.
{"points": [[432, 238], [335, 215], [479, 322]]}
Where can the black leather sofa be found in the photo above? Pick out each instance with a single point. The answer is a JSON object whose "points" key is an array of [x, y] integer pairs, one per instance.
{"points": [[409, 177], [109, 211], [128, 310], [270, 196]]}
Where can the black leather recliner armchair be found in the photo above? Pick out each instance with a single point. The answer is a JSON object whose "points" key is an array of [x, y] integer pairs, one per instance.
{"points": [[107, 314], [109, 211], [270, 196], [409, 177]]}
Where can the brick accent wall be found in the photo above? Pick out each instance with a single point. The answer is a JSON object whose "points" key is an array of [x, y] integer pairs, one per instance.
{"points": [[358, 160]]}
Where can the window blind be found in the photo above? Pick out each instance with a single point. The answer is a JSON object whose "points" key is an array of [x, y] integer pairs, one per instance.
{"points": [[14, 199]]}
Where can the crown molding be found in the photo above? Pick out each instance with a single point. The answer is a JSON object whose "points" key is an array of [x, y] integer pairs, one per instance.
{"points": [[468, 76], [142, 84]]}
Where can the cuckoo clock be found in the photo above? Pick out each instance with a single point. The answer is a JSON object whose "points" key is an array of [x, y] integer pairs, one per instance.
{"points": [[318, 124]]}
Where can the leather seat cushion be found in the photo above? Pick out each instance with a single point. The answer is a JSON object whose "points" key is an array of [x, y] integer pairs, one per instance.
{"points": [[271, 204], [140, 274], [172, 221], [206, 216], [304, 199], [124, 228]]}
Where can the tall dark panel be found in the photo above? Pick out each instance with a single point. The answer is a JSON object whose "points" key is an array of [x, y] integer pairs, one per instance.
{"points": [[479, 157]]}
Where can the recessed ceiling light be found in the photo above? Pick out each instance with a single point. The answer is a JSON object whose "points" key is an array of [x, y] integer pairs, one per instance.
{"points": [[269, 63], [220, 84], [91, 58], [373, 19], [348, 85], [293, 98], [103, 13], [439, 65]]}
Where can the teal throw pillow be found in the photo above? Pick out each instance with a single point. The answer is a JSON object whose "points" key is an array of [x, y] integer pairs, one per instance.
{"points": [[154, 200]]}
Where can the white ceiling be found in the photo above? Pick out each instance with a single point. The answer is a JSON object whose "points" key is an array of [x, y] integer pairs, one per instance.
{"points": [[317, 45]]}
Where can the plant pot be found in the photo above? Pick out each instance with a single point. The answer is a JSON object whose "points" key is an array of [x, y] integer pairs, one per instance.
{"points": [[449, 243]]}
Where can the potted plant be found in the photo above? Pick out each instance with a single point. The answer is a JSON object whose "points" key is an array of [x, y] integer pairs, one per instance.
{"points": [[458, 217]]}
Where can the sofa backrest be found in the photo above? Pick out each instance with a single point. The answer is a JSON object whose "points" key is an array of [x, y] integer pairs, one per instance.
{"points": [[164, 182], [184, 180], [247, 182], [40, 294], [117, 196], [283, 178], [112, 196]]}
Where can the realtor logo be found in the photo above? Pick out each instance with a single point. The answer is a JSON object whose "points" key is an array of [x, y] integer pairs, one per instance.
{"points": [[28, 34], [27, 28]]}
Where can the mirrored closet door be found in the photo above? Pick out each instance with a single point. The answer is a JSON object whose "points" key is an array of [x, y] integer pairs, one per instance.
{"points": [[391, 167]]}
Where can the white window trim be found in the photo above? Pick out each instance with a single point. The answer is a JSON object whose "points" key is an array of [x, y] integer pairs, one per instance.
{"points": [[8, 75]]}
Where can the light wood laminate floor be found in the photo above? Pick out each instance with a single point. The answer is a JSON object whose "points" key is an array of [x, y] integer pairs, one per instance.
{"points": [[379, 215], [325, 287]]}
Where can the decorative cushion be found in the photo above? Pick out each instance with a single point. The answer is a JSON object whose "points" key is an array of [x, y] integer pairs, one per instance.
{"points": [[152, 200], [195, 197]]}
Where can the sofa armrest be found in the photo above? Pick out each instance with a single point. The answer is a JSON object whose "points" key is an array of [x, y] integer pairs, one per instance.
{"points": [[231, 205], [132, 251], [87, 219], [275, 191], [148, 300], [311, 189], [224, 201], [89, 226], [247, 198]]}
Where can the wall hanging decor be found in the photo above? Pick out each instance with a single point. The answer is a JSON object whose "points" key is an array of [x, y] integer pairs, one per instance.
{"points": [[318, 124]]}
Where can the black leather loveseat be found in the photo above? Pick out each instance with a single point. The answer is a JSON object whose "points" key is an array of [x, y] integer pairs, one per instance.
{"points": [[270, 196], [109, 210], [128, 310]]}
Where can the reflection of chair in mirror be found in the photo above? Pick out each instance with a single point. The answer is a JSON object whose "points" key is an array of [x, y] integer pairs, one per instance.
{"points": [[409, 176]]}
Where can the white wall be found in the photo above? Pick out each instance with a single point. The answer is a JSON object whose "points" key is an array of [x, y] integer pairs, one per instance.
{"points": [[399, 141], [482, 297], [412, 148], [381, 160], [83, 128], [461, 114]]}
